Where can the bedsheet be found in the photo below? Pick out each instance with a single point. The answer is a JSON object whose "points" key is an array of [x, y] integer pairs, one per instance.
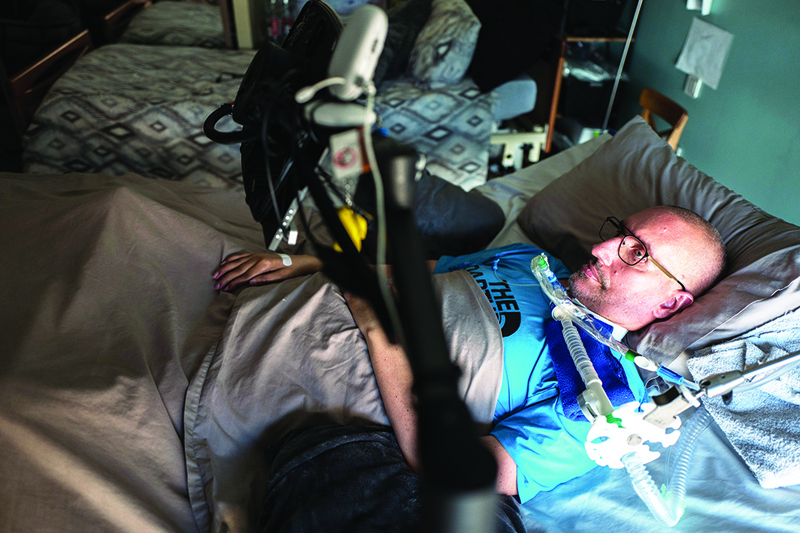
{"points": [[108, 310], [291, 356], [124, 373], [721, 495]]}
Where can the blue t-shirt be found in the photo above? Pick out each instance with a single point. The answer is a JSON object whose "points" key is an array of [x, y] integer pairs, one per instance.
{"points": [[529, 420]]}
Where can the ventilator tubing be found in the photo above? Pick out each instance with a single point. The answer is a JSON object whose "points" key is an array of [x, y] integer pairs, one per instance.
{"points": [[670, 509], [666, 510], [553, 289], [594, 398]]}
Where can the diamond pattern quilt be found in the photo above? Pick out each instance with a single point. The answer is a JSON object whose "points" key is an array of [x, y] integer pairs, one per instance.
{"points": [[135, 108], [177, 24], [451, 125]]}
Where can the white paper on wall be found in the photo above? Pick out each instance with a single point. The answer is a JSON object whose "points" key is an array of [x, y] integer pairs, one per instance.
{"points": [[704, 52]]}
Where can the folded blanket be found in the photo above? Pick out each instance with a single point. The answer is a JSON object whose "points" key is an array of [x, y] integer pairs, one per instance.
{"points": [[570, 384], [761, 423]]}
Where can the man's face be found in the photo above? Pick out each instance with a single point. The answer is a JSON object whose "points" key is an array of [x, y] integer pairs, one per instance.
{"points": [[634, 296]]}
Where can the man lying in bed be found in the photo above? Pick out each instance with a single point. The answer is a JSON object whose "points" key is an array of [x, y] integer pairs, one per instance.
{"points": [[536, 446]]}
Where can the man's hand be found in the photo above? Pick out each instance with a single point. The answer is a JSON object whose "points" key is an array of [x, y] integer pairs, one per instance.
{"points": [[260, 268]]}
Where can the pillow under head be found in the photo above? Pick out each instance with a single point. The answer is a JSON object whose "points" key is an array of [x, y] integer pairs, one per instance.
{"points": [[636, 169]]}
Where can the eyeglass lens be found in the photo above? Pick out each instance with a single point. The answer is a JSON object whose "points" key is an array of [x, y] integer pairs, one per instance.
{"points": [[631, 249]]}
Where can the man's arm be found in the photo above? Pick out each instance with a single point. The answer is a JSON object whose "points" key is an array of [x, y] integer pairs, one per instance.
{"points": [[394, 376], [506, 482], [395, 381], [245, 268]]}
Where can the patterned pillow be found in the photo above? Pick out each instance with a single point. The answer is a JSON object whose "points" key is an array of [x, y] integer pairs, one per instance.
{"points": [[443, 50], [406, 20]]}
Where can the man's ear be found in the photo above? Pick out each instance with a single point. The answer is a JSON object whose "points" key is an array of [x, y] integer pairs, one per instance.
{"points": [[675, 303]]}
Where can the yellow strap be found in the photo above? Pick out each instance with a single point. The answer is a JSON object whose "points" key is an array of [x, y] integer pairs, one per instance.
{"points": [[354, 224]]}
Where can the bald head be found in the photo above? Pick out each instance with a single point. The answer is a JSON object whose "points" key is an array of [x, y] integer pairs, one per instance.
{"points": [[705, 258]]}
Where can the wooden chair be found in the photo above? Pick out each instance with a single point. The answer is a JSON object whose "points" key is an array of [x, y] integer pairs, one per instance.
{"points": [[27, 88], [655, 104]]}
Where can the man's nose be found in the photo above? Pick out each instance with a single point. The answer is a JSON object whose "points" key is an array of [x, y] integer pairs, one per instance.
{"points": [[606, 251]]}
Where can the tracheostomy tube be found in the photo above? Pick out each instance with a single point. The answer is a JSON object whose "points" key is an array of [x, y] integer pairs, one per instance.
{"points": [[553, 289]]}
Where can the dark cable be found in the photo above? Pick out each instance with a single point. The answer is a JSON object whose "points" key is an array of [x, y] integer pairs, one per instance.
{"points": [[279, 92]]}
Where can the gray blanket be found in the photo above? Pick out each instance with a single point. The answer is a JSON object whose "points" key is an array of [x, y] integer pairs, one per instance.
{"points": [[108, 309], [761, 423]]}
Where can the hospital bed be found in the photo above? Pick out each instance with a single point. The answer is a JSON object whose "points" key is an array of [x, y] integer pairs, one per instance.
{"points": [[134, 397]]}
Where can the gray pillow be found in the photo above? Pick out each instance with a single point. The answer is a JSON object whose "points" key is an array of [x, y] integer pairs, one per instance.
{"points": [[636, 169], [444, 47], [452, 221]]}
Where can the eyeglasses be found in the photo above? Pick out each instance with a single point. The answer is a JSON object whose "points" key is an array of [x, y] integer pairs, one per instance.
{"points": [[631, 249]]}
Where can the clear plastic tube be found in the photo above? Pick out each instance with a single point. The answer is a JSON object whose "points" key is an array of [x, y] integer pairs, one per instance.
{"points": [[595, 398], [594, 401], [765, 378], [578, 352], [668, 510], [553, 289]]}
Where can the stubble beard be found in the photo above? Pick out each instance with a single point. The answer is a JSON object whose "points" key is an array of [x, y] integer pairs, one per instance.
{"points": [[591, 300]]}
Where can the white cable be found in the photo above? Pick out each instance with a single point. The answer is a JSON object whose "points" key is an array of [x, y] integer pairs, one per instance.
{"points": [[380, 211], [307, 93], [765, 378]]}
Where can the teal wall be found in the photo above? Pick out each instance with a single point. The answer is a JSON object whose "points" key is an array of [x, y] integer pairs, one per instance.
{"points": [[746, 133]]}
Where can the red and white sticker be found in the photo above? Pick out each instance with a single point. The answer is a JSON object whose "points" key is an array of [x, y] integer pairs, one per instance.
{"points": [[347, 156]]}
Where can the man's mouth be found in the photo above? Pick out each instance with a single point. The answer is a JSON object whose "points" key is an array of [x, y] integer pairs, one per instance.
{"points": [[590, 272]]}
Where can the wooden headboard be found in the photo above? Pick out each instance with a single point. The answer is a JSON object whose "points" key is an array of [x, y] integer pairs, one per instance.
{"points": [[115, 22], [28, 88]]}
